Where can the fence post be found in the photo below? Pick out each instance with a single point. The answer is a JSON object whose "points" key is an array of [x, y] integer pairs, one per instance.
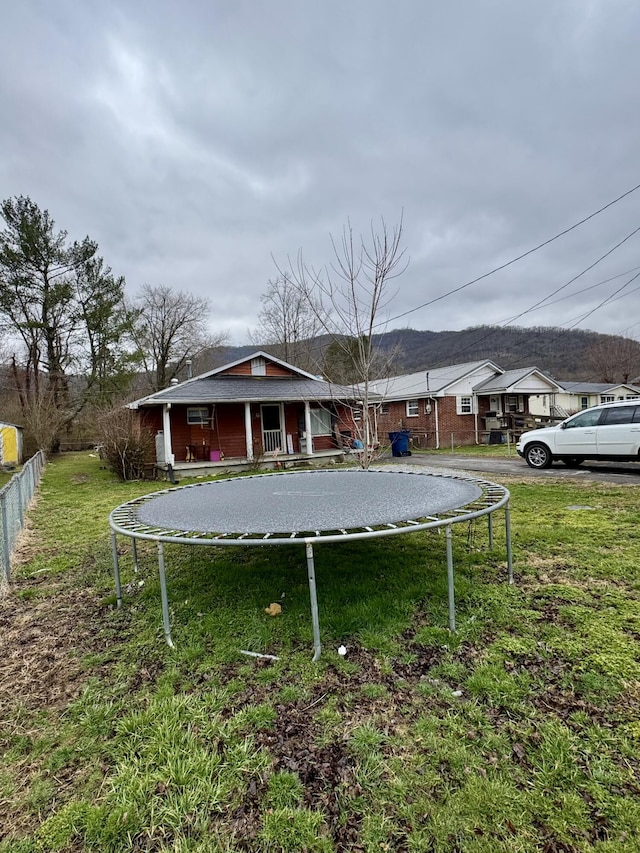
{"points": [[6, 551], [20, 504]]}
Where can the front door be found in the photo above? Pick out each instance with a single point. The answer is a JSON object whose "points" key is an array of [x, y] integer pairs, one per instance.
{"points": [[271, 428]]}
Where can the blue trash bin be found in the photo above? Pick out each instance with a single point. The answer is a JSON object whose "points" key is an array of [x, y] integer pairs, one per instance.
{"points": [[400, 442]]}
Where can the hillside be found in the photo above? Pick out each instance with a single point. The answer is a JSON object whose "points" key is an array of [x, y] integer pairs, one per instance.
{"points": [[565, 354]]}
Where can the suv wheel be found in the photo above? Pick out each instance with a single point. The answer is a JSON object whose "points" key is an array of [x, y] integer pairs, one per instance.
{"points": [[538, 455]]}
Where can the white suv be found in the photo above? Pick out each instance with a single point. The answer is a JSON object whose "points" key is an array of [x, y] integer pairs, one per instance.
{"points": [[610, 431]]}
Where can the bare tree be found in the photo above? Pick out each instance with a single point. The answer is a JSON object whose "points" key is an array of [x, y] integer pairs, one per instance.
{"points": [[615, 359], [289, 323], [349, 298], [170, 329]]}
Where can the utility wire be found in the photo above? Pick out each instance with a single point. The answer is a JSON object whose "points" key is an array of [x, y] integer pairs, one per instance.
{"points": [[513, 260], [542, 302], [545, 301]]}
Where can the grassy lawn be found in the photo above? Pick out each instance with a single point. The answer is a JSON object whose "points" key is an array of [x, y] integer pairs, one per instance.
{"points": [[501, 450], [519, 733]]}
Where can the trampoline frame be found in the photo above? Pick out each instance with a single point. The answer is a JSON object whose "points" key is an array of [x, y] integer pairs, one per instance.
{"points": [[123, 521]]}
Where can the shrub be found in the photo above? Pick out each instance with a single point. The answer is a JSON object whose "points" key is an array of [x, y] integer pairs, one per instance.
{"points": [[125, 444]]}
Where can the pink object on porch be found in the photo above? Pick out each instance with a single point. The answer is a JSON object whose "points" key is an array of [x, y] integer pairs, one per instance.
{"points": [[214, 456]]}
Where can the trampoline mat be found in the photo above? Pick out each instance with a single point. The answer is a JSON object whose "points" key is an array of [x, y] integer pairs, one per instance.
{"points": [[306, 501]]}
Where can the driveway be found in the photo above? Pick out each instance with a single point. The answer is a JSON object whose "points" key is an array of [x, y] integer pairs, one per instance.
{"points": [[602, 472]]}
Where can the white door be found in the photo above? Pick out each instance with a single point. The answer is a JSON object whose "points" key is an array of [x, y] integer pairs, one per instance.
{"points": [[578, 437], [618, 435]]}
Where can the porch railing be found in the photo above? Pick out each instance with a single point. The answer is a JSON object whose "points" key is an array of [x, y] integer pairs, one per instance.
{"points": [[271, 440]]}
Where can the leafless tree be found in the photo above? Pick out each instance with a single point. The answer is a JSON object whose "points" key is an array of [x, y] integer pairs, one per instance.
{"points": [[349, 298], [289, 323], [171, 328], [615, 359]]}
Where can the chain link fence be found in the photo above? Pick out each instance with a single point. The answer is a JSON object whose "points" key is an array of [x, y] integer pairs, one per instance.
{"points": [[14, 499]]}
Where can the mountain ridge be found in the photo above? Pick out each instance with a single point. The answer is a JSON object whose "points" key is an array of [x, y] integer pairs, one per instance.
{"points": [[573, 354]]}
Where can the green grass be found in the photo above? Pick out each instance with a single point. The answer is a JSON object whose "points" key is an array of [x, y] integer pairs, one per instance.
{"points": [[500, 450], [519, 733]]}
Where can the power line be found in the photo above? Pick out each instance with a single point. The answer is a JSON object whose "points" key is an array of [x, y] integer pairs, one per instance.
{"points": [[542, 302], [513, 260]]}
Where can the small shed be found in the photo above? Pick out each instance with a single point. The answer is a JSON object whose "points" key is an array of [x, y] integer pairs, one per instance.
{"points": [[10, 444]]}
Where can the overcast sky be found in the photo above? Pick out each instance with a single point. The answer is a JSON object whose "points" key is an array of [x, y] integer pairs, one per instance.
{"points": [[196, 141]]}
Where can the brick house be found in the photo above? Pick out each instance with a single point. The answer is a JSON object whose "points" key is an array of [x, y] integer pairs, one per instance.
{"points": [[460, 404], [258, 408]]}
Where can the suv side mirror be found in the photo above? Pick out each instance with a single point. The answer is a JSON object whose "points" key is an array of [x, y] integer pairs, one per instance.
{"points": [[563, 425]]}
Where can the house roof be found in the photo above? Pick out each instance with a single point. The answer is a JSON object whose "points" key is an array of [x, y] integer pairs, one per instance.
{"points": [[595, 387], [511, 378], [247, 389], [219, 386], [428, 383]]}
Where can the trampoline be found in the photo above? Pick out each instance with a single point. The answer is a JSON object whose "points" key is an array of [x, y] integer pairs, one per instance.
{"points": [[306, 508]]}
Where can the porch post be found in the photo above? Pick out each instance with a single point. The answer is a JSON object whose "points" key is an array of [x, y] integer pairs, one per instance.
{"points": [[248, 431], [475, 416], [307, 427], [435, 403], [169, 458]]}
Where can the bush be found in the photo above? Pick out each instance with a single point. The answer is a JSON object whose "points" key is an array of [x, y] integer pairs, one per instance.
{"points": [[125, 444]]}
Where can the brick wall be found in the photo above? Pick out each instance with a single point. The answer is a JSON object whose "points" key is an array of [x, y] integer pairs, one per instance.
{"points": [[423, 425]]}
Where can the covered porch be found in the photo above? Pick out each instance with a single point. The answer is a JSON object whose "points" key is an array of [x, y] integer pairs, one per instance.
{"points": [[225, 436]]}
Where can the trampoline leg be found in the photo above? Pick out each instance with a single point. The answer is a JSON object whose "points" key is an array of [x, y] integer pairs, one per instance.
{"points": [[507, 525], [116, 569], [134, 550], [490, 523], [311, 572], [163, 595], [452, 601]]}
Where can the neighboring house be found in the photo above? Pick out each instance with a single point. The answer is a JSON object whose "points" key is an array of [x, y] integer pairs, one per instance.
{"points": [[516, 398], [10, 444], [575, 396], [461, 402], [256, 408]]}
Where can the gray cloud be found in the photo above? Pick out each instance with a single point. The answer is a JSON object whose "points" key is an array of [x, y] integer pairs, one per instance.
{"points": [[194, 141]]}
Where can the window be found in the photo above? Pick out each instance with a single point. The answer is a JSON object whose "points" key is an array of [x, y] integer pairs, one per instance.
{"points": [[619, 415], [384, 409], [413, 408], [584, 402], [607, 398], [357, 415], [464, 405], [584, 419], [198, 416], [258, 367], [320, 422]]}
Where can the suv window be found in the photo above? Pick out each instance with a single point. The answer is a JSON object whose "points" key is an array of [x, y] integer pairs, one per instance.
{"points": [[619, 415], [584, 419]]}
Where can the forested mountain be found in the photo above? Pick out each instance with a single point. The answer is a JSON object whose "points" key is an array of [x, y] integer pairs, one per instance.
{"points": [[565, 354]]}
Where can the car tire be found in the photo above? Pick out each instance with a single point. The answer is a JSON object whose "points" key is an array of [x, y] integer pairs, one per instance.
{"points": [[538, 455], [573, 461]]}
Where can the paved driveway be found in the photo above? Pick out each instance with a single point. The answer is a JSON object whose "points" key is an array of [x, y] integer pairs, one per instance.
{"points": [[603, 472]]}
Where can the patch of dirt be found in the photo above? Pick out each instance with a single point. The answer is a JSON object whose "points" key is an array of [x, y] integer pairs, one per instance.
{"points": [[43, 636]]}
